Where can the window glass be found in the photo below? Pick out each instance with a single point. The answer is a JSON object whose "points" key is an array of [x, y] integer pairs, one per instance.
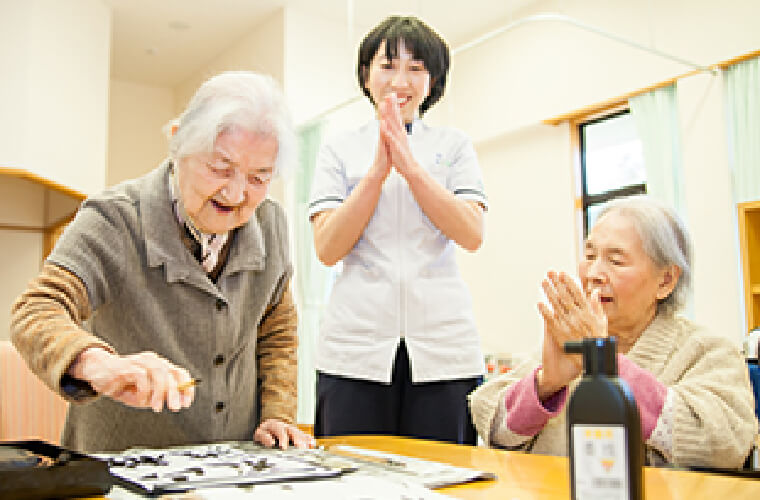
{"points": [[612, 163], [614, 157]]}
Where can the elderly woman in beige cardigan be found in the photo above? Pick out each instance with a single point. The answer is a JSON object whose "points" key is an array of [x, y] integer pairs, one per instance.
{"points": [[691, 387]]}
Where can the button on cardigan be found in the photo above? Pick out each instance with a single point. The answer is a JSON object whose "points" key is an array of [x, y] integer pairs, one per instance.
{"points": [[147, 292]]}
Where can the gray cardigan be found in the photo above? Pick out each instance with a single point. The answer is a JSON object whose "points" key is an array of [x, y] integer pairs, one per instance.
{"points": [[149, 293]]}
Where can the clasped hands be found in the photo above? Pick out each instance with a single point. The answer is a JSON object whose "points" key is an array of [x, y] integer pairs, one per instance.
{"points": [[147, 380], [393, 145], [569, 316]]}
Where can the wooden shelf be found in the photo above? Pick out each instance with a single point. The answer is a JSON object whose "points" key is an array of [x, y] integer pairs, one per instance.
{"points": [[749, 241], [60, 204]]}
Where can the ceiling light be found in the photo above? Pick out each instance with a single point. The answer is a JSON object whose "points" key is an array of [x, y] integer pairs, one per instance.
{"points": [[178, 25]]}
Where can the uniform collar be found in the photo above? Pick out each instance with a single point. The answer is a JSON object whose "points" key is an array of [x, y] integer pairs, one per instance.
{"points": [[417, 126], [163, 243]]}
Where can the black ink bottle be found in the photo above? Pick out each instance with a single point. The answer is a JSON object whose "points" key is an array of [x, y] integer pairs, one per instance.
{"points": [[603, 427]]}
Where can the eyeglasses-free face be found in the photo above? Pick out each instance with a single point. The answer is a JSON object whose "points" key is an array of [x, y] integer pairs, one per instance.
{"points": [[629, 282], [403, 76], [221, 190]]}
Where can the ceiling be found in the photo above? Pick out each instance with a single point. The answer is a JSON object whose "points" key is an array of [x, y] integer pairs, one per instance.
{"points": [[164, 42]]}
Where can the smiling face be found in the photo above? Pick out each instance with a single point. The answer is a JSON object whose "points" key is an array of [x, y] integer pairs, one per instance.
{"points": [[629, 283], [221, 190], [405, 76]]}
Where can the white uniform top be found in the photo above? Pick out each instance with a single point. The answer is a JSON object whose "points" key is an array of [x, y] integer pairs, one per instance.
{"points": [[401, 277]]}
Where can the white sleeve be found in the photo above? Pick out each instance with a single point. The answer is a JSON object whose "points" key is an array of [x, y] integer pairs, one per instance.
{"points": [[329, 187], [464, 178]]}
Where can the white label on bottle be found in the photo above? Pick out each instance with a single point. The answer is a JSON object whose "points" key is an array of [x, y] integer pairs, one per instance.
{"points": [[600, 458]]}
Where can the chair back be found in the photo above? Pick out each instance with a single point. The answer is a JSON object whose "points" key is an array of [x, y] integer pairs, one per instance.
{"points": [[28, 409]]}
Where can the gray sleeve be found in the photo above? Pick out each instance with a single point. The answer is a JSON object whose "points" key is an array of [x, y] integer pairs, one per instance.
{"points": [[281, 229], [92, 247]]}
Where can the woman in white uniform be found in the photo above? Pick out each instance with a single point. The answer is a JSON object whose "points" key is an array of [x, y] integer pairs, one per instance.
{"points": [[398, 350]]}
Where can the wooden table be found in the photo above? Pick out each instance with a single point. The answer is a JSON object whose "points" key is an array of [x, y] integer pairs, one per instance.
{"points": [[535, 477]]}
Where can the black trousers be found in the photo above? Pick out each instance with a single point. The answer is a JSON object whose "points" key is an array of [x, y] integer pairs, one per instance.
{"points": [[429, 410]]}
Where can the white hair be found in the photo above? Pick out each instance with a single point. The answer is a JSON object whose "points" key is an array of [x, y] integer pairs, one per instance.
{"points": [[243, 99], [665, 240]]}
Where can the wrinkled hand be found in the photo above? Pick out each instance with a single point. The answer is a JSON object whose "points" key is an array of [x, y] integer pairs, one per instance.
{"points": [[143, 380], [571, 317], [393, 132], [558, 368], [271, 432]]}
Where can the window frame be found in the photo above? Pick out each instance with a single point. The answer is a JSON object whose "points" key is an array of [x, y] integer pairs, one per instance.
{"points": [[586, 200]]}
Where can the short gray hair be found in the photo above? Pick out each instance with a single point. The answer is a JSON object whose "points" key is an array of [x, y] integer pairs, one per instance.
{"points": [[665, 240], [243, 99]]}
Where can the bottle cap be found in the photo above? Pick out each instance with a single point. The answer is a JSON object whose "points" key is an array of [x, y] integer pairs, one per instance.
{"points": [[599, 355]]}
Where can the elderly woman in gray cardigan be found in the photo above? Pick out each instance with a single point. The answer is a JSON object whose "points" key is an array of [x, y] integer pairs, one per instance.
{"points": [[691, 387], [181, 273]]}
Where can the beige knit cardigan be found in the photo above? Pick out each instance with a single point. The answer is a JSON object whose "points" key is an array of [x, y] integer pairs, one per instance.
{"points": [[714, 423]]}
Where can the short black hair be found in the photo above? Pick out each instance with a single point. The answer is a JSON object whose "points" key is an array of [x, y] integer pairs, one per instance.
{"points": [[420, 40]]}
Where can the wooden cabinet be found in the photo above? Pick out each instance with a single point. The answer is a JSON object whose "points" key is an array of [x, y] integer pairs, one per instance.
{"points": [[32, 204], [749, 241]]}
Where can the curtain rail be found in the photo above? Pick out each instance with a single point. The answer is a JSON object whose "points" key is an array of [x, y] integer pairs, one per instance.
{"points": [[508, 27], [583, 113], [578, 24]]}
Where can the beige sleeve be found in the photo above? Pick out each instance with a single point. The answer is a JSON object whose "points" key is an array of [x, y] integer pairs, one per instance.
{"points": [[488, 398], [714, 423], [45, 324], [277, 360]]}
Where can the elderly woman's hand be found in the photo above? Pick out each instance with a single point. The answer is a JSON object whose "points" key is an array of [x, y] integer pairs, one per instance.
{"points": [[143, 380], [571, 317], [273, 432]]}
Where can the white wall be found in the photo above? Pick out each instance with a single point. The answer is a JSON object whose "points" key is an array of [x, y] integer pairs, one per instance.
{"points": [[319, 61], [262, 50], [530, 229], [136, 143], [55, 86], [13, 40]]}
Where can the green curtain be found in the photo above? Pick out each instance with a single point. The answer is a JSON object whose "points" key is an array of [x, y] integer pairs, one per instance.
{"points": [[742, 97], [312, 279], [656, 117]]}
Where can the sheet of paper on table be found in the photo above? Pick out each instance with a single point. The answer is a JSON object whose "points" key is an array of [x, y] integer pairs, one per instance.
{"points": [[246, 470], [351, 487]]}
